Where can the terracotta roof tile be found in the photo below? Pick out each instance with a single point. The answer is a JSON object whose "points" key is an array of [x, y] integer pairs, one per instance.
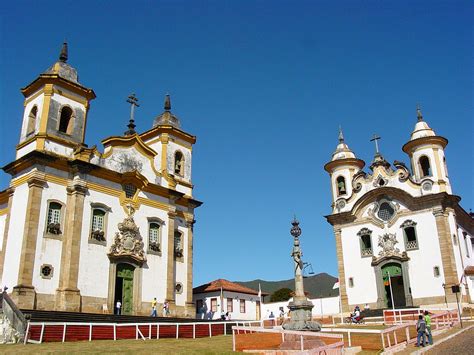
{"points": [[226, 285]]}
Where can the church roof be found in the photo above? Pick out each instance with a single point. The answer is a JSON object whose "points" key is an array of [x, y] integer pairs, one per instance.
{"points": [[167, 118], [62, 68], [225, 285], [421, 128], [342, 150]]}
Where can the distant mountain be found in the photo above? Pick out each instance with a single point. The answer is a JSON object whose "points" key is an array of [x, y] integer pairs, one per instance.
{"points": [[319, 285]]}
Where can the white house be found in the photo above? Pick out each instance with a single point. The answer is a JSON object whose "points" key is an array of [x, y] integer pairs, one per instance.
{"points": [[222, 296], [400, 225], [82, 228]]}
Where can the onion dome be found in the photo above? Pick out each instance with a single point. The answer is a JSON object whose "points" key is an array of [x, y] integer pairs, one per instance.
{"points": [[421, 128], [167, 118], [62, 68]]}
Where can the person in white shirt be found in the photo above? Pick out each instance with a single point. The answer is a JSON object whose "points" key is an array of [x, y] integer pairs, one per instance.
{"points": [[118, 308]]}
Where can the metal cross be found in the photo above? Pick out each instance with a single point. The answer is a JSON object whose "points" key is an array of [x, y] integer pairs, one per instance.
{"points": [[375, 139], [132, 100]]}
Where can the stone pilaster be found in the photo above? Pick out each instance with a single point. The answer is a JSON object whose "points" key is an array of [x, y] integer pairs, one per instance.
{"points": [[190, 309], [447, 252], [340, 269], [68, 297], [170, 279], [11, 191], [24, 293]]}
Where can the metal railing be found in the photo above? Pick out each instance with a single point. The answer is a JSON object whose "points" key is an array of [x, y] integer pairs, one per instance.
{"points": [[138, 333]]}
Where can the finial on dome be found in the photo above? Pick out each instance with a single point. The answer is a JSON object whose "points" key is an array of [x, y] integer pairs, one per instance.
{"points": [[419, 115], [167, 103], [63, 54], [341, 136]]}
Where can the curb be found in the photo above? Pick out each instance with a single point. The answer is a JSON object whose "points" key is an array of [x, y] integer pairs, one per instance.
{"points": [[422, 351]]}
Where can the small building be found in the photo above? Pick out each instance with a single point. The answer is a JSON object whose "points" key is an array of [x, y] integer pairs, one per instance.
{"points": [[222, 296]]}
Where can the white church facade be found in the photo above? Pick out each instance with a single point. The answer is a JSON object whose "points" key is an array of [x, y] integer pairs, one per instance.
{"points": [[81, 229], [400, 226]]}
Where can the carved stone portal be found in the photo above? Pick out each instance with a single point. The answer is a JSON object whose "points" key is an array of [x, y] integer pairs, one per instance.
{"points": [[387, 243], [128, 243]]}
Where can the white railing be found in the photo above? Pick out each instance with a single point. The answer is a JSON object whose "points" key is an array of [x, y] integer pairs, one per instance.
{"points": [[248, 330], [399, 316], [138, 333]]}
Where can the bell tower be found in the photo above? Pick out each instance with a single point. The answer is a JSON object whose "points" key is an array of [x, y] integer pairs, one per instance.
{"points": [[428, 162], [55, 113], [342, 167]]}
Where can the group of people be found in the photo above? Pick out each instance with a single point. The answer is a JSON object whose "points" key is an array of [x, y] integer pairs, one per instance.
{"points": [[166, 308], [423, 328]]}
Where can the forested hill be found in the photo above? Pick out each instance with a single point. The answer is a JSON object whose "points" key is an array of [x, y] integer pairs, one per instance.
{"points": [[320, 285]]}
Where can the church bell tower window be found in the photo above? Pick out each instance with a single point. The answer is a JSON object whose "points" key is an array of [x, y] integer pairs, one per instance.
{"points": [[32, 121], [425, 166], [341, 185], [65, 120], [179, 163]]}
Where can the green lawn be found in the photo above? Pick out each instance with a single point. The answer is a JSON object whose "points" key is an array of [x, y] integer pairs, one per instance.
{"points": [[214, 345]]}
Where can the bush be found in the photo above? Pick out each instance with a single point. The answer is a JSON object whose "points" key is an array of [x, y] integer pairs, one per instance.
{"points": [[283, 294]]}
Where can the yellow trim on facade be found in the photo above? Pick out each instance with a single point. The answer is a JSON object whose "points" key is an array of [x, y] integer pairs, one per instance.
{"points": [[32, 97], [4, 212], [48, 92]]}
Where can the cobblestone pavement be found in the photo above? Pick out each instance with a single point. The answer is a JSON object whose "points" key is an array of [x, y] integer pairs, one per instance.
{"points": [[460, 344]]}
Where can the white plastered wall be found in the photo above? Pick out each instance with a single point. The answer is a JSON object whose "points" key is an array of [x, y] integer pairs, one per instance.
{"points": [[38, 102], [250, 305]]}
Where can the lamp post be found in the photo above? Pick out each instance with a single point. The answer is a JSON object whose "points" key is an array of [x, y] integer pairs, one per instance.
{"points": [[300, 307]]}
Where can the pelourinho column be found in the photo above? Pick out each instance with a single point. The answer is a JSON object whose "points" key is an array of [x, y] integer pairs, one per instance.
{"points": [[190, 309], [24, 293], [68, 296]]}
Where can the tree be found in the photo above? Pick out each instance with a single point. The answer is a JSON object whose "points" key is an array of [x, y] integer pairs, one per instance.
{"points": [[283, 294]]}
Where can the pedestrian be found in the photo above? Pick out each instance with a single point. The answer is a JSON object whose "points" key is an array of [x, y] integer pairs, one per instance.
{"points": [[227, 316], [153, 307], [118, 308], [420, 328], [166, 309], [428, 327], [271, 316]]}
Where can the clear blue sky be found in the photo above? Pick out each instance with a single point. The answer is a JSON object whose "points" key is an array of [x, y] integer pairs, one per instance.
{"points": [[264, 86]]}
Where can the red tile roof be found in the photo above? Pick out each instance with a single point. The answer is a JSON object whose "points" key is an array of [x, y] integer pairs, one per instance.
{"points": [[226, 285], [469, 270]]}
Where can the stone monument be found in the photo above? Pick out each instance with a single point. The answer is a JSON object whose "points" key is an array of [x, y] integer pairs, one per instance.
{"points": [[300, 307]]}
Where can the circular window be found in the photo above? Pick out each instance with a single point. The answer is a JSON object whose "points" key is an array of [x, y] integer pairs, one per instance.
{"points": [[47, 271], [385, 212], [178, 288]]}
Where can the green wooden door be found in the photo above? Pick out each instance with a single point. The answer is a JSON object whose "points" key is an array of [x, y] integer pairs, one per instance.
{"points": [[125, 272]]}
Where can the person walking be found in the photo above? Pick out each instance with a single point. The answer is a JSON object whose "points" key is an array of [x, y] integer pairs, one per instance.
{"points": [[166, 309], [428, 327], [420, 328], [153, 308], [118, 308]]}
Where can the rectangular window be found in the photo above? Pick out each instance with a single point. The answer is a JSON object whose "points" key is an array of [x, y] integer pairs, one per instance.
{"points": [[199, 306], [466, 243], [214, 305], [154, 243], [242, 306], [351, 282], [365, 245], [54, 218], [230, 306], [411, 242]]}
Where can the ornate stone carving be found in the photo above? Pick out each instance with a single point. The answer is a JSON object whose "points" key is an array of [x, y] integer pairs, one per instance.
{"points": [[357, 185], [387, 243], [128, 243]]}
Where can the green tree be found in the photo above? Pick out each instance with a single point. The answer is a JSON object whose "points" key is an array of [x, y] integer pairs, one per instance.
{"points": [[283, 294]]}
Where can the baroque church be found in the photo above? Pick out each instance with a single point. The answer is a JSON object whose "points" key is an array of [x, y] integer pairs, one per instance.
{"points": [[399, 229], [82, 228]]}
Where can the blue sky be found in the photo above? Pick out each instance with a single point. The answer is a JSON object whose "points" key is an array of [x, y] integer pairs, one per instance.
{"points": [[264, 86]]}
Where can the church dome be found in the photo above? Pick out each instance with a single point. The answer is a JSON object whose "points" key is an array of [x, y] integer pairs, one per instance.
{"points": [[167, 118], [421, 128], [342, 150], [63, 69]]}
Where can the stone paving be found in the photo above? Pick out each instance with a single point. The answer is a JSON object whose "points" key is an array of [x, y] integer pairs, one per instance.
{"points": [[460, 344]]}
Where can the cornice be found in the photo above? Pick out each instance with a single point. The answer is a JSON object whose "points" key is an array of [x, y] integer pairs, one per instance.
{"points": [[438, 140], [329, 167], [173, 131], [57, 80]]}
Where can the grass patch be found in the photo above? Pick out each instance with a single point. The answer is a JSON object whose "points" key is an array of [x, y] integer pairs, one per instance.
{"points": [[215, 345]]}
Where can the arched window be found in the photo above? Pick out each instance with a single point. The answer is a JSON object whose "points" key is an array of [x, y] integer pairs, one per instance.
{"points": [[409, 233], [179, 163], [53, 225], [365, 242], [154, 237], [32, 121], [425, 166], [65, 120], [341, 185], [178, 244]]}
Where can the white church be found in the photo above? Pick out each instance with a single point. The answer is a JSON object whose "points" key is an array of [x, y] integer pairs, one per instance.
{"points": [[400, 226], [81, 228]]}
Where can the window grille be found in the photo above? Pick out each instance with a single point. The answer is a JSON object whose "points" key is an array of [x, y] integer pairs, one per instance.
{"points": [[98, 217], [129, 190], [154, 237], [242, 306], [385, 211]]}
